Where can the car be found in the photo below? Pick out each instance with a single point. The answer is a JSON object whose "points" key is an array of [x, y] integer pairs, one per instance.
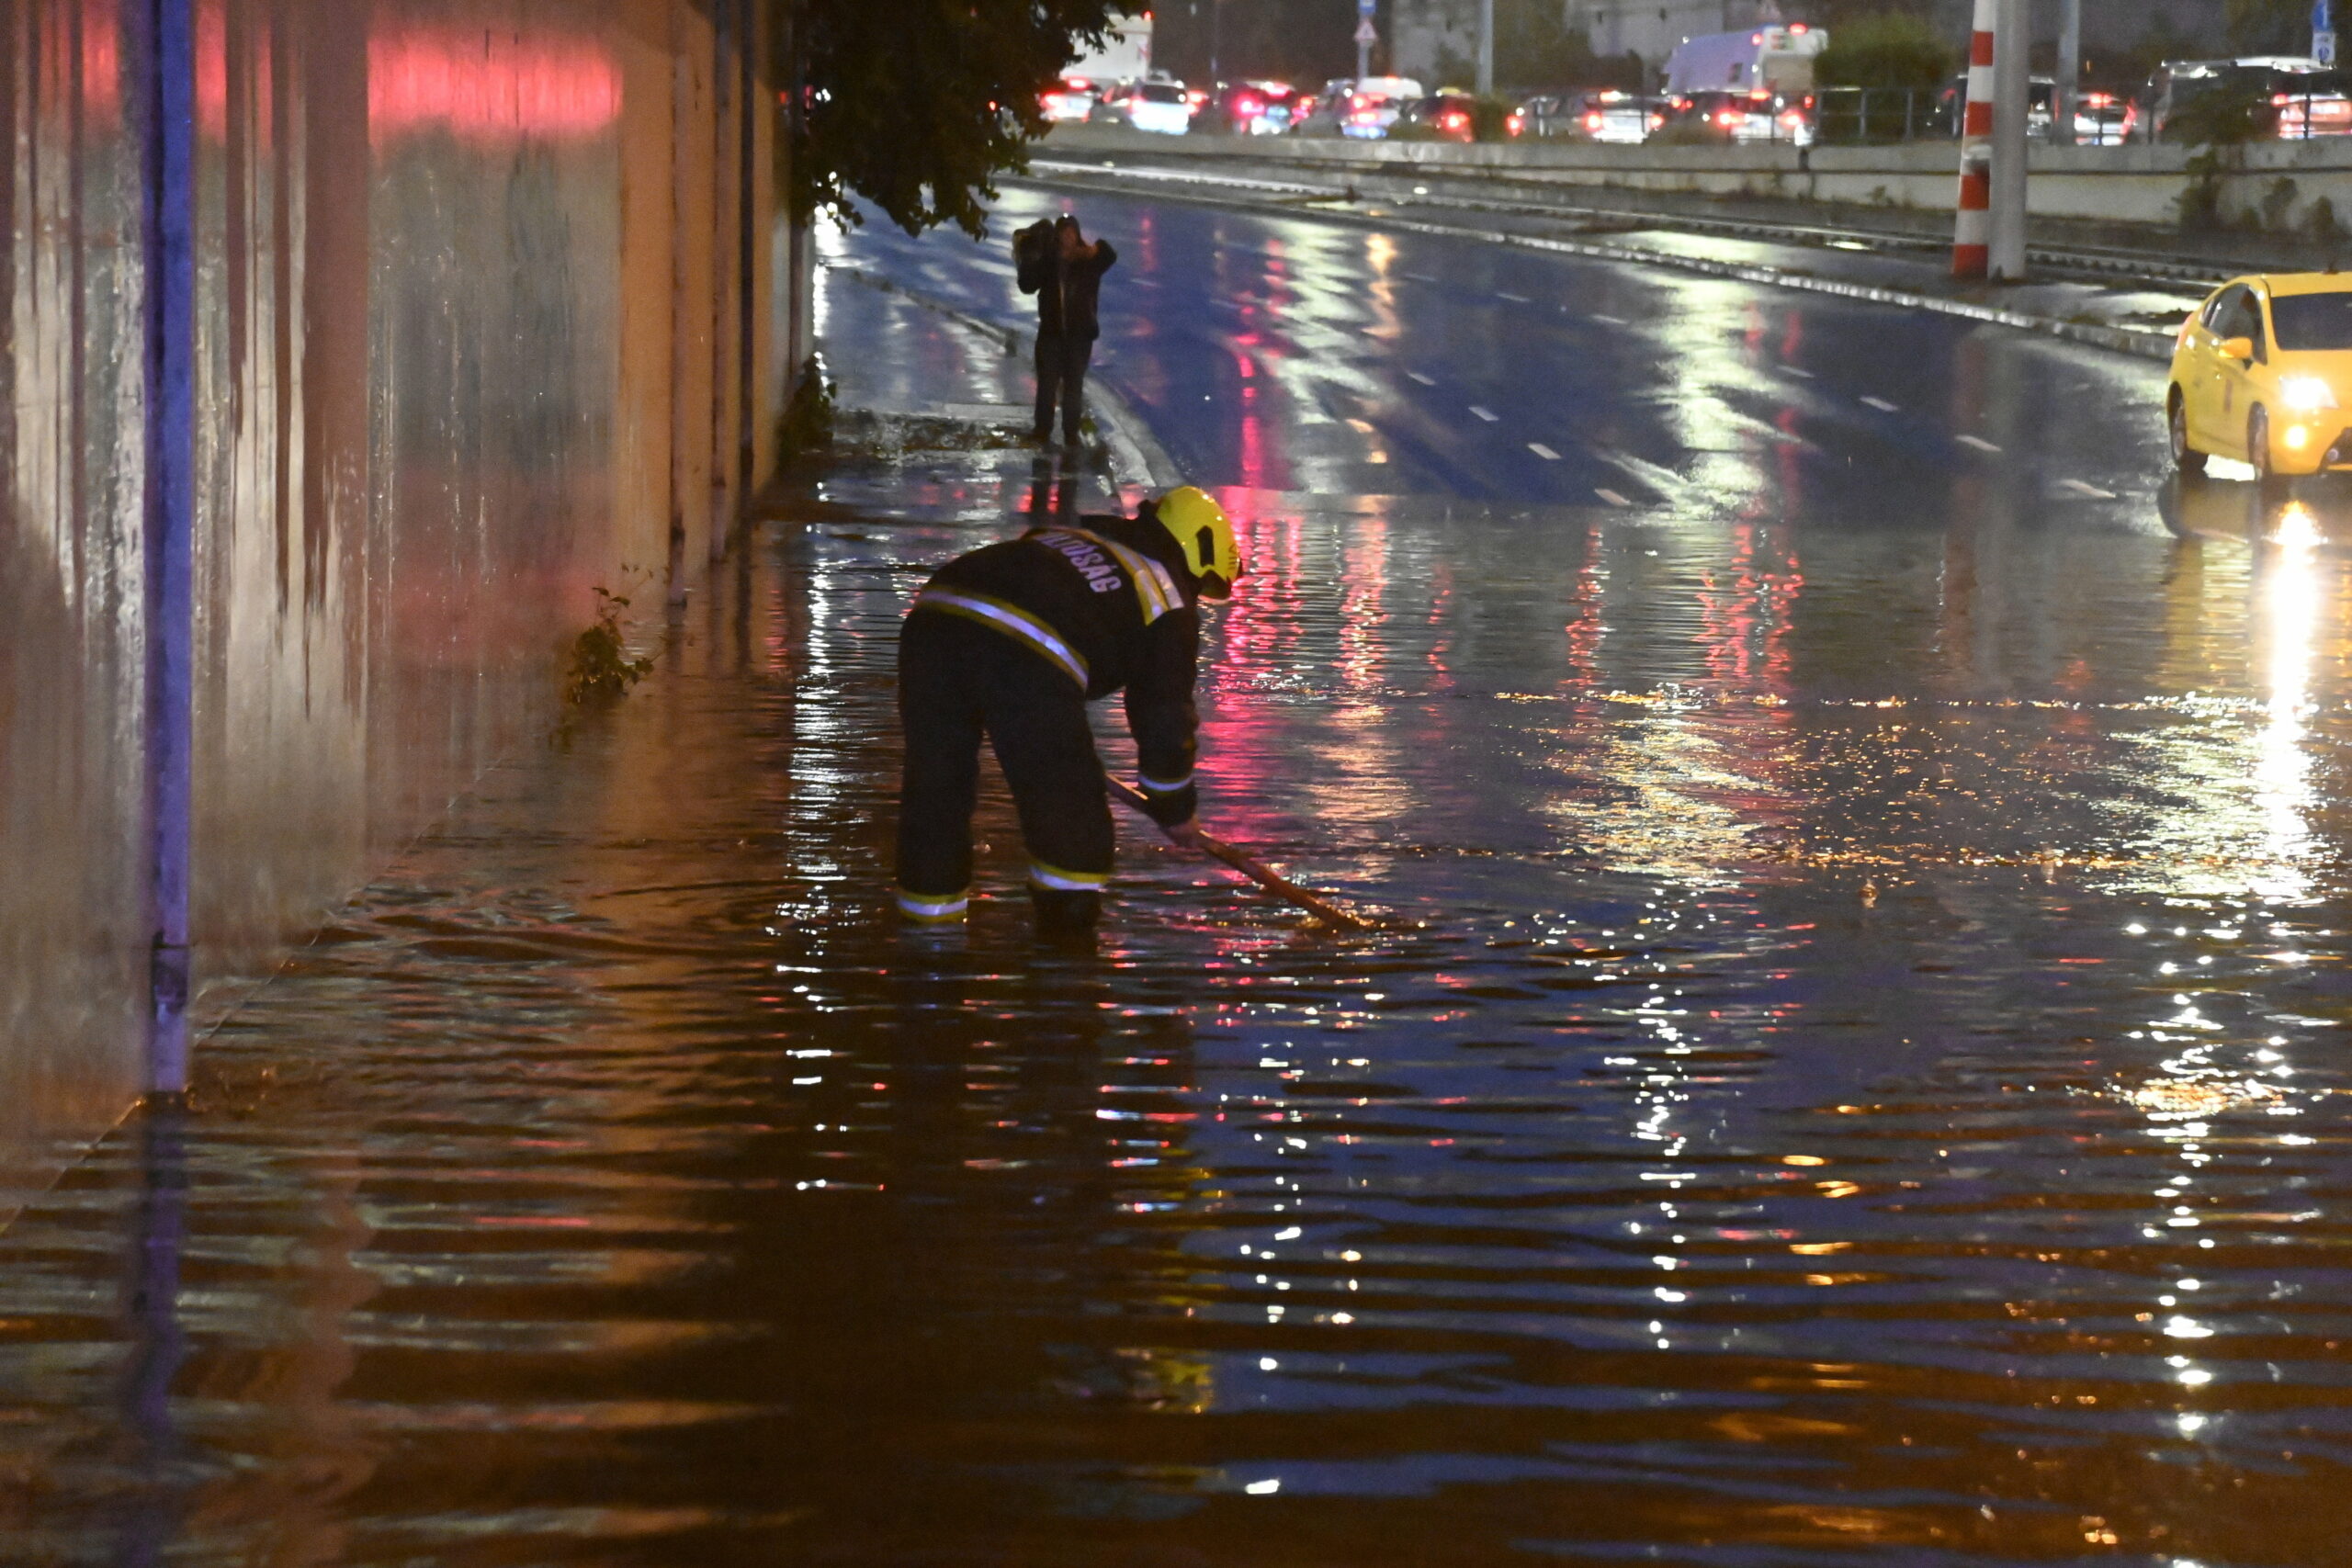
{"points": [[1070, 98], [1735, 115], [2262, 372], [1447, 115], [1320, 114], [1157, 104], [1374, 104], [1593, 114], [1249, 109], [2289, 97]]}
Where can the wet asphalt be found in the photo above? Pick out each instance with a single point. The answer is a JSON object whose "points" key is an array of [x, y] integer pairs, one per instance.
{"points": [[1849, 1071]]}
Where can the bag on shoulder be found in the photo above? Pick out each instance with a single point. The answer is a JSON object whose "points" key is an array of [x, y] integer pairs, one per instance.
{"points": [[1032, 256]]}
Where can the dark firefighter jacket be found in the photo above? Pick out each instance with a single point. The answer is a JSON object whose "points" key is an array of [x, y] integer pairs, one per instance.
{"points": [[1106, 601], [1069, 292]]}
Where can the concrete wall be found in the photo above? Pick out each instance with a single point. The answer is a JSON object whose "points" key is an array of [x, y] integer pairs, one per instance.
{"points": [[470, 289], [2134, 185]]}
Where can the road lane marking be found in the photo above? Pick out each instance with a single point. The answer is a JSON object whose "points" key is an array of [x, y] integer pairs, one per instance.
{"points": [[1514, 298], [1417, 276], [1792, 370], [2079, 487], [1489, 415], [1881, 404], [1543, 451], [1424, 380], [1612, 321], [1613, 498], [1978, 442]]}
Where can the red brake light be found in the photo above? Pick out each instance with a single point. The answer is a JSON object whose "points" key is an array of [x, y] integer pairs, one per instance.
{"points": [[1592, 120], [2281, 100], [1799, 27]]}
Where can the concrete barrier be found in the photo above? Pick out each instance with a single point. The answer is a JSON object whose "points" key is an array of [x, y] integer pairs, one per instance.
{"points": [[2137, 183]]}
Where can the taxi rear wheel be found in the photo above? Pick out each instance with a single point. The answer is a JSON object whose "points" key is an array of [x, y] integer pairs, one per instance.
{"points": [[2185, 457]]}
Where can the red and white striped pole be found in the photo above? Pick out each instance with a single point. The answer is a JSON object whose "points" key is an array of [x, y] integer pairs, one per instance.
{"points": [[1971, 246]]}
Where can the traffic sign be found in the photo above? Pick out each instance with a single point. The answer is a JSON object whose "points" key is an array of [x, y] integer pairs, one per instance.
{"points": [[1366, 8], [2323, 48], [1366, 32]]}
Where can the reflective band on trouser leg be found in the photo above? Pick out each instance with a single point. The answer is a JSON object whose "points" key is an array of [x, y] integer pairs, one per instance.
{"points": [[1054, 877], [1012, 621], [1165, 786], [933, 910]]}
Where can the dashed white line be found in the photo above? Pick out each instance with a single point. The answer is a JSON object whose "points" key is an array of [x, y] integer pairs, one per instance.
{"points": [[1424, 380], [1514, 298], [1543, 451], [1978, 442], [1792, 370], [2079, 487], [1613, 498], [1881, 404], [1489, 415], [1612, 321]]}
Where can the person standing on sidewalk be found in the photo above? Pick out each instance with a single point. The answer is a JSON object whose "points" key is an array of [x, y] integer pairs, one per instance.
{"points": [[1064, 270], [1012, 642]]}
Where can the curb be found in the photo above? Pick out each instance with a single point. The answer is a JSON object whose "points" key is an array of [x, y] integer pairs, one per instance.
{"points": [[1136, 456], [2140, 342]]}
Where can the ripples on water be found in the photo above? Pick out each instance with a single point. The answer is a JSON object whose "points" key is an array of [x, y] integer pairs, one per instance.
{"points": [[1855, 1083]]}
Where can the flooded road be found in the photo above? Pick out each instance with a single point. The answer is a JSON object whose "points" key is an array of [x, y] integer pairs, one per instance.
{"points": [[1853, 1074]]}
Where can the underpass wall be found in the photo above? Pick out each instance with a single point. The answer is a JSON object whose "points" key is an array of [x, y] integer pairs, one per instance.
{"points": [[2138, 183], [478, 331]]}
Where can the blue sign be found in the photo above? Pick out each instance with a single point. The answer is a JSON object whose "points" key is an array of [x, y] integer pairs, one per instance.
{"points": [[2323, 16], [1365, 7]]}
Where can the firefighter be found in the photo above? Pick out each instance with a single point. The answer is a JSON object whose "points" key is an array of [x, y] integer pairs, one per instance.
{"points": [[1013, 641]]}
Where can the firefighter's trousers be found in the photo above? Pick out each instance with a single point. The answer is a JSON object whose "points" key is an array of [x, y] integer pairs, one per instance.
{"points": [[957, 681]]}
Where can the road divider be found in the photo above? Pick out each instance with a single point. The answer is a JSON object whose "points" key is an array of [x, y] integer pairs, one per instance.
{"points": [[2145, 343]]}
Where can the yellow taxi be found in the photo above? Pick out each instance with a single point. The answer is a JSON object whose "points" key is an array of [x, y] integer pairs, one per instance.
{"points": [[2263, 373]]}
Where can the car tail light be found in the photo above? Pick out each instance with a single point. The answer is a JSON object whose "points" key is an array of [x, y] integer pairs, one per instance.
{"points": [[1730, 117], [1515, 122], [1656, 120], [2280, 100], [1592, 121], [1248, 104]]}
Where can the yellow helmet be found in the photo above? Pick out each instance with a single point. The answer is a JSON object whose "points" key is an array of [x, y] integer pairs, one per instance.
{"points": [[1204, 536]]}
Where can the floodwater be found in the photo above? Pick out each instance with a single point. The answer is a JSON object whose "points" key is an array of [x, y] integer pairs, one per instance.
{"points": [[1849, 1075]]}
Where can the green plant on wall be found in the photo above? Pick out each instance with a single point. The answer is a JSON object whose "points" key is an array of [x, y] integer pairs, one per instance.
{"points": [[600, 667]]}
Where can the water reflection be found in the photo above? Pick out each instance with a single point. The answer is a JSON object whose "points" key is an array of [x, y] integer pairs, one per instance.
{"points": [[1764, 1150]]}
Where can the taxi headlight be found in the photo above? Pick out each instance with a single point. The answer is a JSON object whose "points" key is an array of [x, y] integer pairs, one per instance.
{"points": [[2306, 394]]}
